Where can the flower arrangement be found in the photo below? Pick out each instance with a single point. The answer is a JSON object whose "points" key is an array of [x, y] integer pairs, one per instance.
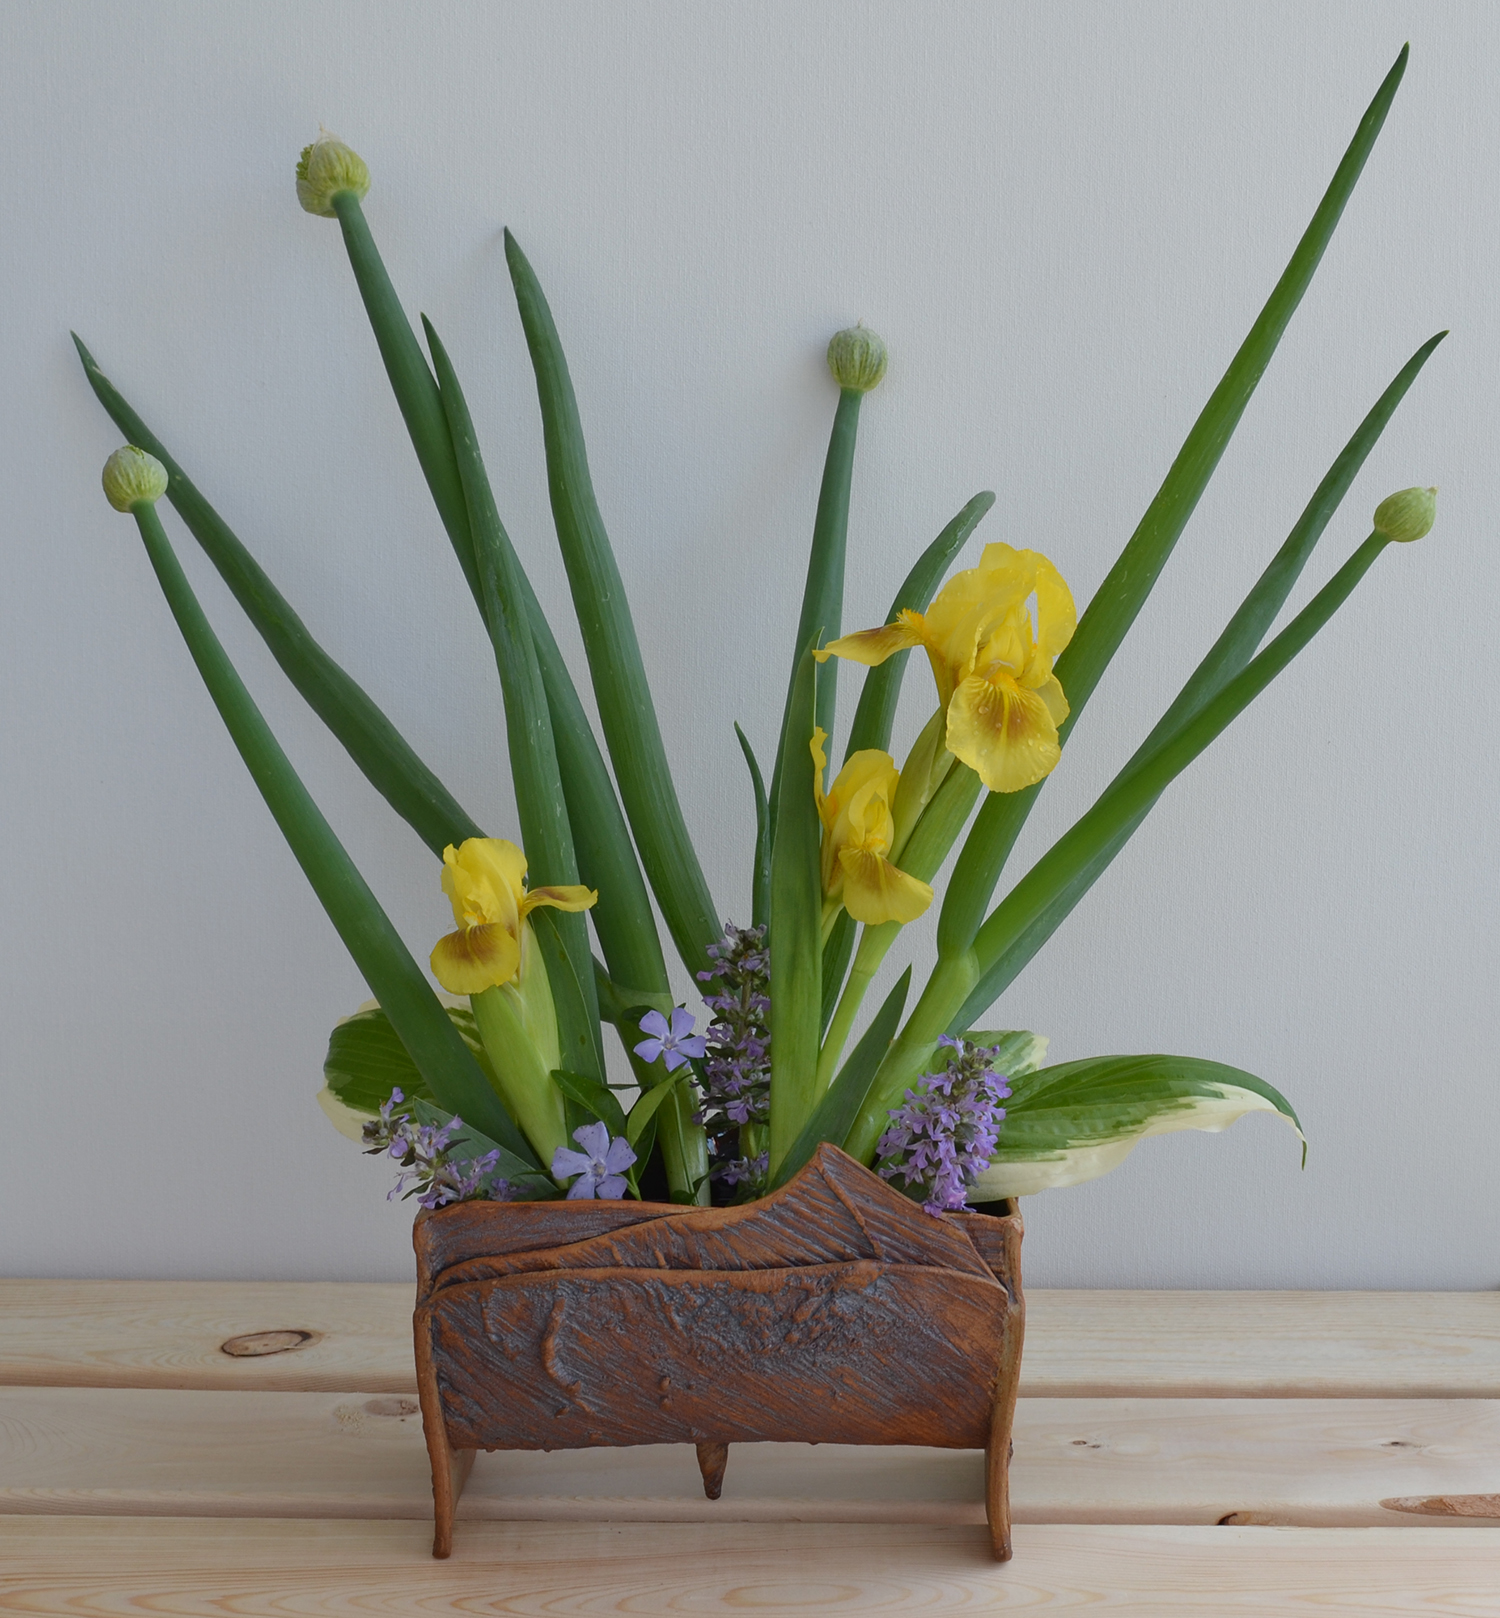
{"points": [[498, 1087]]}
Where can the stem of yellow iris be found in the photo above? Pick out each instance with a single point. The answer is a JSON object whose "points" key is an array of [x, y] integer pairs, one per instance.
{"points": [[911, 1051], [524, 1082], [874, 945], [831, 911]]}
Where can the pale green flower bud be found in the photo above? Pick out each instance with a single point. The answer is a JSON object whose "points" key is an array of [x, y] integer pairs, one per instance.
{"points": [[326, 168], [132, 477], [857, 359], [1408, 515]]}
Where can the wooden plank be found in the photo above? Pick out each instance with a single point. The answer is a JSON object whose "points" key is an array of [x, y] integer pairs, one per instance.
{"points": [[1324, 1463], [1280, 1345], [91, 1567], [167, 1334]]}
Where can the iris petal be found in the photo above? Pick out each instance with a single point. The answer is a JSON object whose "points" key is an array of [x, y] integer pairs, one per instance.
{"points": [[1003, 732], [565, 897], [875, 892], [873, 646], [474, 959]]}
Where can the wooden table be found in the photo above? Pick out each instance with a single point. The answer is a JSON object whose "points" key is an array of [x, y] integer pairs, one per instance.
{"points": [[1176, 1453]]}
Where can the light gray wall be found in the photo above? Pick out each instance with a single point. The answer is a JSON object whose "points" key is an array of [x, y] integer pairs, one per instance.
{"points": [[1063, 218]]}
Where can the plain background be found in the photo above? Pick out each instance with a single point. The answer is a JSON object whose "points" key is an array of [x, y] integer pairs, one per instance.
{"points": [[1062, 217]]}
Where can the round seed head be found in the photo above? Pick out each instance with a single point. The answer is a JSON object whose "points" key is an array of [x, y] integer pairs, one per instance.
{"points": [[1408, 515], [132, 477], [326, 168], [857, 359]]}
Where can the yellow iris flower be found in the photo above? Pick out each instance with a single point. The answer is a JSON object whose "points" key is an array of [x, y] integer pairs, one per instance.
{"points": [[991, 655], [483, 879], [858, 830]]}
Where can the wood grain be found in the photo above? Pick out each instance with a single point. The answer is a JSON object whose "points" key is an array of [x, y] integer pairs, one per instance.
{"points": [[166, 1334], [104, 1568], [1329, 1463], [1282, 1345]]}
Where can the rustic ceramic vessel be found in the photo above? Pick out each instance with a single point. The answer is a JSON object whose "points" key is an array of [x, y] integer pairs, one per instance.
{"points": [[834, 1311]]}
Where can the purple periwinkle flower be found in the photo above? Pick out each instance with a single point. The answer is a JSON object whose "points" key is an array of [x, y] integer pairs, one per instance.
{"points": [[943, 1135], [671, 1042], [600, 1166]]}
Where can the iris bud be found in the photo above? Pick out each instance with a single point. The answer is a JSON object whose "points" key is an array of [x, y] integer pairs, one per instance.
{"points": [[857, 359], [132, 477], [1408, 515], [326, 168]]}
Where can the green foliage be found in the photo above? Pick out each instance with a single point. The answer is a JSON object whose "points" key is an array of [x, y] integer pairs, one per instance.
{"points": [[1070, 1123]]}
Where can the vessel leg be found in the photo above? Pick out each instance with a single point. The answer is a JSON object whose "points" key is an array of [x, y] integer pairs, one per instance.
{"points": [[712, 1459]]}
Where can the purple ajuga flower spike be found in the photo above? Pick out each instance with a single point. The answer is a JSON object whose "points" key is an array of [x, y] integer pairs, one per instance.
{"points": [[737, 1070], [600, 1166], [943, 1135], [671, 1042]]}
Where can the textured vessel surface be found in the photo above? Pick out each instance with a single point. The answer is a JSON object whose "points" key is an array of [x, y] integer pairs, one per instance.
{"points": [[833, 1311]]}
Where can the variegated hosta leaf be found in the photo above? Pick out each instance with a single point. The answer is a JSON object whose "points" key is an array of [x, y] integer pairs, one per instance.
{"points": [[366, 1061], [1076, 1121], [1020, 1052]]}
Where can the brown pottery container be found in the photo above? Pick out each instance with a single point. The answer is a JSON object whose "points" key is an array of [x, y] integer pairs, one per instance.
{"points": [[834, 1311]]}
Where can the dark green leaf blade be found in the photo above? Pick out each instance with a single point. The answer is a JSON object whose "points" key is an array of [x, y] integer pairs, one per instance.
{"points": [[371, 740], [626, 710], [1129, 582], [596, 1099], [395, 979], [836, 1112], [796, 928], [760, 876]]}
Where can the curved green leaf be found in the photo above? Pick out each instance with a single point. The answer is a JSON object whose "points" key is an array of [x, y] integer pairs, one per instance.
{"points": [[796, 927], [841, 1101], [371, 740], [395, 979], [1074, 1122], [1129, 582], [626, 710]]}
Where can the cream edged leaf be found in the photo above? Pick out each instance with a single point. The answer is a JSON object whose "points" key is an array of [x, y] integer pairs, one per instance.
{"points": [[1074, 1122]]}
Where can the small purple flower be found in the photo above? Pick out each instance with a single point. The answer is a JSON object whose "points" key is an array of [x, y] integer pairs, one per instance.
{"points": [[600, 1166], [672, 1042]]}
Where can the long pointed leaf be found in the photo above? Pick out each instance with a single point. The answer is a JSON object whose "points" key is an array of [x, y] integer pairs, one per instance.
{"points": [[1235, 646], [606, 856], [876, 713], [412, 382], [843, 1099], [545, 829], [371, 740], [822, 611], [395, 979], [1062, 874], [1129, 582], [760, 876], [962, 987], [626, 711], [1244, 632], [796, 927]]}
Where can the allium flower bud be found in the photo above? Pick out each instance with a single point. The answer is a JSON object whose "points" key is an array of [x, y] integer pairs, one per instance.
{"points": [[131, 476], [326, 168], [1408, 515], [857, 359]]}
